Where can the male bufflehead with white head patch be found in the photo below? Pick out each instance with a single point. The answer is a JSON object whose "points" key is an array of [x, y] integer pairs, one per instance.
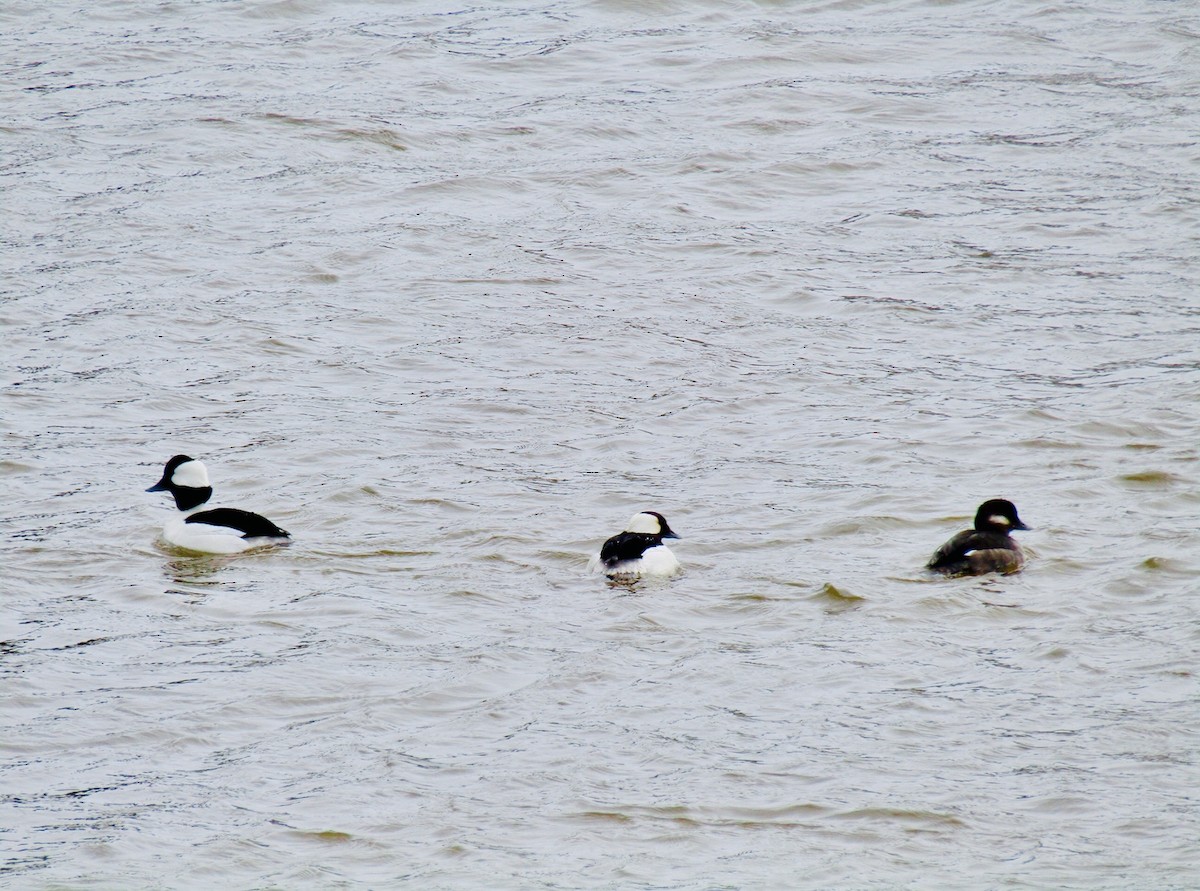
{"points": [[639, 550], [222, 530], [986, 548]]}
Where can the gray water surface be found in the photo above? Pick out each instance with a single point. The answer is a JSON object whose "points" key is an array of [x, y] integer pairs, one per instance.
{"points": [[450, 292]]}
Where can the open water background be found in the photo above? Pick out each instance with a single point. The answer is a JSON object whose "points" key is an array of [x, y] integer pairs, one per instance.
{"points": [[450, 292]]}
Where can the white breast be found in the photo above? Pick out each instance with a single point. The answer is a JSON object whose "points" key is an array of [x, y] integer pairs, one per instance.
{"points": [[205, 539], [655, 561], [659, 561]]}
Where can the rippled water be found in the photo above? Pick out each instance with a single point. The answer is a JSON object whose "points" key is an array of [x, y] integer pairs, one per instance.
{"points": [[450, 292]]}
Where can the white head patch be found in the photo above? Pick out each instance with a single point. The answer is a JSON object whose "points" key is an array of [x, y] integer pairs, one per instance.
{"points": [[644, 523], [998, 520], [191, 474]]}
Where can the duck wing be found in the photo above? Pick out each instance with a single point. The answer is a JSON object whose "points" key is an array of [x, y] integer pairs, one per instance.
{"points": [[250, 525], [626, 546]]}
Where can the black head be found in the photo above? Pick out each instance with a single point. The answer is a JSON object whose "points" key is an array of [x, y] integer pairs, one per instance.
{"points": [[187, 480], [664, 530], [164, 484], [998, 515]]}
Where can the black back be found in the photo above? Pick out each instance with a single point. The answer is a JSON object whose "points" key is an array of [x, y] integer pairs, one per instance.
{"points": [[627, 546], [952, 556], [251, 525]]}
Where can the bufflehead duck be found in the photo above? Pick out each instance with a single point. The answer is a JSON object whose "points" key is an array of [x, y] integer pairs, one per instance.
{"points": [[222, 530], [986, 548], [639, 550]]}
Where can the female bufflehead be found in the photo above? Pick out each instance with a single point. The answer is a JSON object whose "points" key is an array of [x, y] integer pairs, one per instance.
{"points": [[222, 530], [639, 550], [986, 548]]}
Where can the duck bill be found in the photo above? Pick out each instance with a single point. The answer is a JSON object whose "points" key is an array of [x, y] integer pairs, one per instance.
{"points": [[671, 535], [160, 486]]}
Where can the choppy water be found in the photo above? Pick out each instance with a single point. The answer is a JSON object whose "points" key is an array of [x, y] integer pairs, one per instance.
{"points": [[450, 292]]}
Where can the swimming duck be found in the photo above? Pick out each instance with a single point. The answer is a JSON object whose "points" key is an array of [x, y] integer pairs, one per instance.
{"points": [[986, 548], [639, 550], [221, 530]]}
